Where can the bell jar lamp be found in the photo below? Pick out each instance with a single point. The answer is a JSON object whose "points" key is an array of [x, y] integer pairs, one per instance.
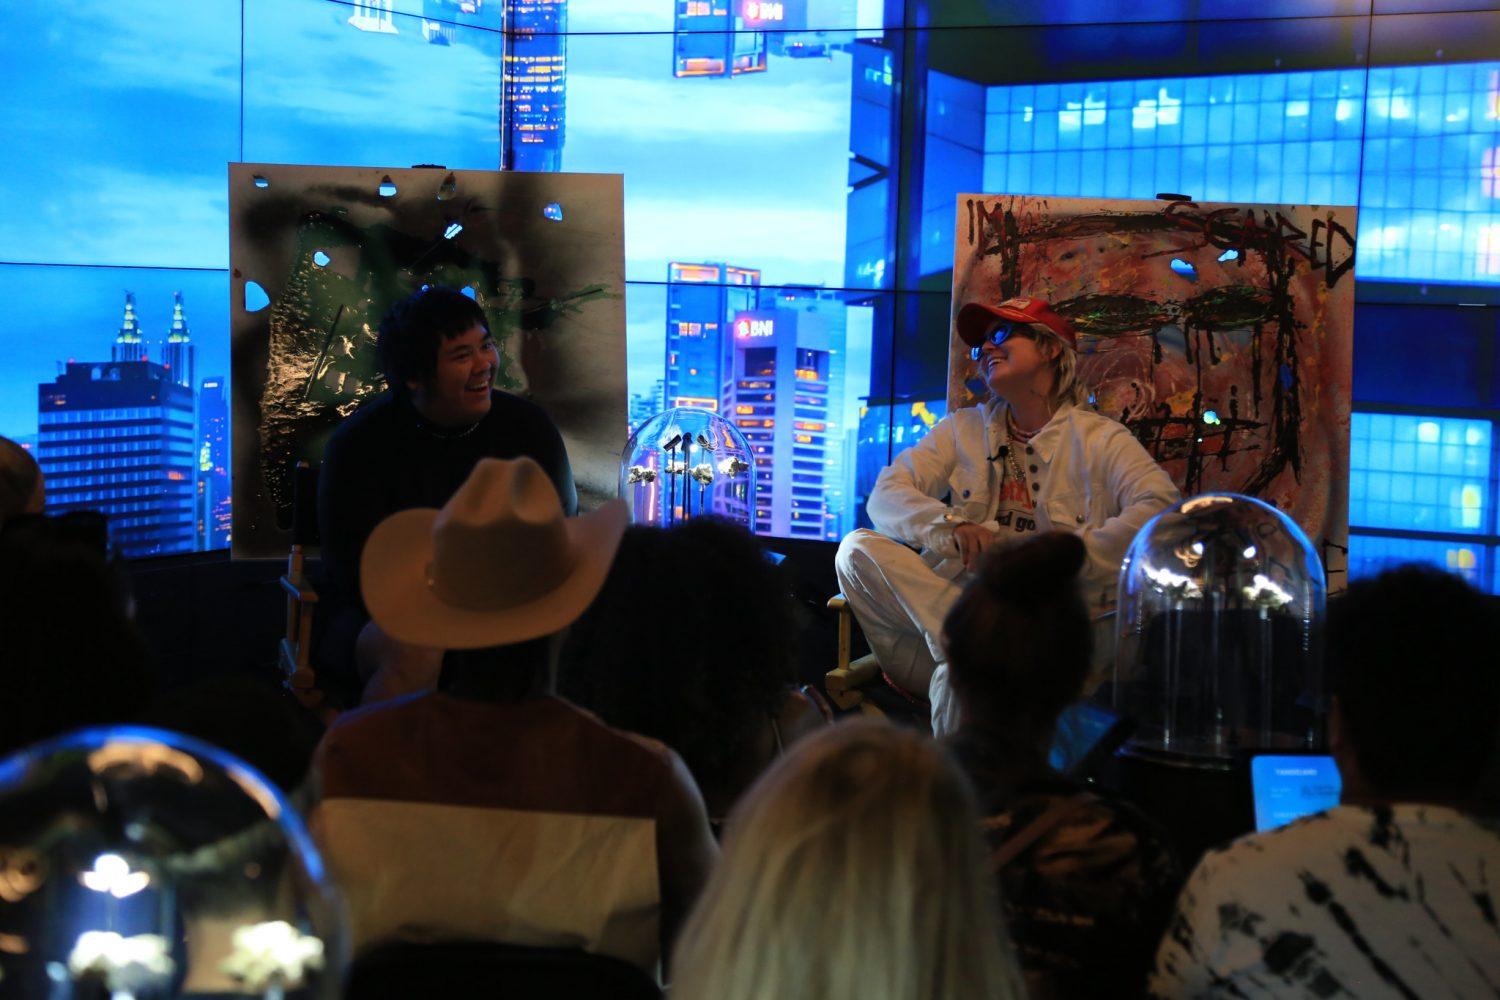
{"points": [[137, 863], [1219, 632], [685, 462]]}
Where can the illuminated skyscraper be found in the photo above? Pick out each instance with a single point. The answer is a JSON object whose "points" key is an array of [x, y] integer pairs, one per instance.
{"points": [[785, 397], [644, 407], [715, 38], [213, 464], [117, 436], [536, 71], [374, 15], [700, 299], [177, 354], [128, 343]]}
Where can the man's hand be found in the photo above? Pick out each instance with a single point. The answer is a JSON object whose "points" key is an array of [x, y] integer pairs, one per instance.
{"points": [[972, 540]]}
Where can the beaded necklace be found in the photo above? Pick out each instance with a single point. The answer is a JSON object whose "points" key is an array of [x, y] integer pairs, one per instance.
{"points": [[1017, 436]]}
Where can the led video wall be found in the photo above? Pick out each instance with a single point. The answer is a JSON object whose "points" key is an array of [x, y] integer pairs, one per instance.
{"points": [[789, 169]]}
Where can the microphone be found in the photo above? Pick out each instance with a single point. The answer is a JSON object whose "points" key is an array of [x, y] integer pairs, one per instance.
{"points": [[1002, 453]]}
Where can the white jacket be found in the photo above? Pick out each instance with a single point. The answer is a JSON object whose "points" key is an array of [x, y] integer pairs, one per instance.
{"points": [[1095, 481]]}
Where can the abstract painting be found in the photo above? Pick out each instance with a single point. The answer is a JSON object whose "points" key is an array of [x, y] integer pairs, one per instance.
{"points": [[317, 256], [1220, 334]]}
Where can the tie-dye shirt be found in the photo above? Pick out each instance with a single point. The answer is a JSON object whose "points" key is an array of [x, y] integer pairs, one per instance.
{"points": [[1392, 901]]}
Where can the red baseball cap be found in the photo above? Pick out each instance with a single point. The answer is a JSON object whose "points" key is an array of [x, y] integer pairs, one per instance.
{"points": [[976, 318]]}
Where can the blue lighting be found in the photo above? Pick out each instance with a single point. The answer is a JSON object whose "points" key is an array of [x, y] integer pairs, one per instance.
{"points": [[1185, 269], [256, 298], [1417, 148]]}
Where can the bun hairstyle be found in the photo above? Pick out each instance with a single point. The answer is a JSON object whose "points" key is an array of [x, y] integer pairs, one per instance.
{"points": [[1018, 638]]}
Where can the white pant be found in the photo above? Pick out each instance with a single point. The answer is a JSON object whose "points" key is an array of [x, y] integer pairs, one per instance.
{"points": [[901, 602]]}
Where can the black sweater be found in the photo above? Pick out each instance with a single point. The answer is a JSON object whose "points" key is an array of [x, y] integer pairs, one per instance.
{"points": [[386, 458]]}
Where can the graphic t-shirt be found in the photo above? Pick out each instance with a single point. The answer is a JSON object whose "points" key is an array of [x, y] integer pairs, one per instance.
{"points": [[1395, 901], [1015, 509]]}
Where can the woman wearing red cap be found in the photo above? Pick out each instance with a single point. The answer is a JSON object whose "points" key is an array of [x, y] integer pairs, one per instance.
{"points": [[1033, 457]]}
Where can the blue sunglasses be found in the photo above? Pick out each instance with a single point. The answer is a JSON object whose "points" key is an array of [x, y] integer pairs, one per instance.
{"points": [[999, 335]]}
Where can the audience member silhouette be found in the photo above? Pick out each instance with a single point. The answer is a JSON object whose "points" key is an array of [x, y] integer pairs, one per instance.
{"points": [[249, 716], [1392, 892], [1086, 880], [691, 642], [70, 653], [21, 486], [489, 809], [853, 868]]}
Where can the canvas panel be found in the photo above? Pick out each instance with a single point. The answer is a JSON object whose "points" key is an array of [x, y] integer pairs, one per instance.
{"points": [[332, 248], [1220, 334]]}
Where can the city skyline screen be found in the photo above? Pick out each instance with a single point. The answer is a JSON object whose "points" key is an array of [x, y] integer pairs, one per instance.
{"points": [[777, 150]]}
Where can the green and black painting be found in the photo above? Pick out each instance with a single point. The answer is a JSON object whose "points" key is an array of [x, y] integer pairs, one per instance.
{"points": [[325, 252]]}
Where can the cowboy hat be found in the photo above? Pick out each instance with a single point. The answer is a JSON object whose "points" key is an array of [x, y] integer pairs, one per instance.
{"points": [[499, 564]]}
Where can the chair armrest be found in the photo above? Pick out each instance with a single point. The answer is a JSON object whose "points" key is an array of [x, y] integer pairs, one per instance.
{"points": [[299, 588]]}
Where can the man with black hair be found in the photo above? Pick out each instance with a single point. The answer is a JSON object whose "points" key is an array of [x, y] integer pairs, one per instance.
{"points": [[410, 447], [1392, 893]]}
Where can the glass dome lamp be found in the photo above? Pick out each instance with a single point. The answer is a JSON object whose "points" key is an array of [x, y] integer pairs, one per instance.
{"points": [[684, 462], [1219, 633], [137, 863]]}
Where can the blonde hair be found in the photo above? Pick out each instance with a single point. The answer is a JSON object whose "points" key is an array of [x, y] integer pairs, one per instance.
{"points": [[1068, 387], [853, 868]]}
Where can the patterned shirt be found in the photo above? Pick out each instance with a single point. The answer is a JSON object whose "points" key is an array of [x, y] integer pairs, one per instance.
{"points": [[1085, 904], [1394, 901]]}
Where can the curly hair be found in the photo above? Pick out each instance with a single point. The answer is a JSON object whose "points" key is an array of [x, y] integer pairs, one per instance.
{"points": [[690, 642]]}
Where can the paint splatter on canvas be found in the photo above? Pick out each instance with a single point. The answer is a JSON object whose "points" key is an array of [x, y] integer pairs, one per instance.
{"points": [[317, 256], [1219, 333]]}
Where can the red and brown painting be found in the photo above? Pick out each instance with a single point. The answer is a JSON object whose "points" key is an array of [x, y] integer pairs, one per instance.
{"points": [[1219, 333]]}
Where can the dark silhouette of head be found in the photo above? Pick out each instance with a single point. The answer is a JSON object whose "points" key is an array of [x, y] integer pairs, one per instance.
{"points": [[689, 642], [1018, 639], [69, 652], [1410, 657], [20, 481]]}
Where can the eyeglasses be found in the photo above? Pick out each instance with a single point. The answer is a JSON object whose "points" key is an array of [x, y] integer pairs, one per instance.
{"points": [[999, 335]]}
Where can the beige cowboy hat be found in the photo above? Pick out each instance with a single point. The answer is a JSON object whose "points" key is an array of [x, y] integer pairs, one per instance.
{"points": [[499, 564]]}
